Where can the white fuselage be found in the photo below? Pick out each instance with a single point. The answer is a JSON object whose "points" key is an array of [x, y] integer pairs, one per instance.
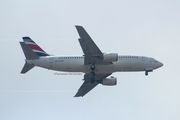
{"points": [[76, 64]]}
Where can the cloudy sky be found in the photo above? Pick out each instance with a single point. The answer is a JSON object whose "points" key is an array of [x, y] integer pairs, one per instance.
{"points": [[149, 28]]}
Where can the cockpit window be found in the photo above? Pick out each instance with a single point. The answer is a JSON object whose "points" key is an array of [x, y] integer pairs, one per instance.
{"points": [[155, 61]]}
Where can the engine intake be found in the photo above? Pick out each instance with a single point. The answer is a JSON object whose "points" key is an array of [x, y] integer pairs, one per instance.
{"points": [[109, 81], [111, 57]]}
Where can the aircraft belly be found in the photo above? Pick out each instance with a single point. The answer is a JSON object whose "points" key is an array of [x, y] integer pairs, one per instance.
{"points": [[104, 68]]}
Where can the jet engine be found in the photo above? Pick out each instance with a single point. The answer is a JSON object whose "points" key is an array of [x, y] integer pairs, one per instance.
{"points": [[109, 81], [110, 57]]}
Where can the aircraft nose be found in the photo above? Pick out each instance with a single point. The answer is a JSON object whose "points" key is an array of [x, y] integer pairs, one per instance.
{"points": [[159, 64]]}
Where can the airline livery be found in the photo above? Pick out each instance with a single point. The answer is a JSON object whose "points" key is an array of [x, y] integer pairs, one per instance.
{"points": [[95, 65]]}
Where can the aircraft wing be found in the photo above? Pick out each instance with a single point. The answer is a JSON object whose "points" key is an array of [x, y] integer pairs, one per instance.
{"points": [[88, 86], [92, 53], [88, 46], [85, 88]]}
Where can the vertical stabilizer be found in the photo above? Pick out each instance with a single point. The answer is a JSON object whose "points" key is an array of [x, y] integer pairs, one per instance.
{"points": [[34, 47], [29, 54]]}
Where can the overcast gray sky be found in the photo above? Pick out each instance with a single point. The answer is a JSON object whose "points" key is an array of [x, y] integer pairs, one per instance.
{"points": [[149, 28]]}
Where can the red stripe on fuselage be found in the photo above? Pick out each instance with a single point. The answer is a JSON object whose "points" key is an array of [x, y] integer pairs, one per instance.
{"points": [[35, 47]]}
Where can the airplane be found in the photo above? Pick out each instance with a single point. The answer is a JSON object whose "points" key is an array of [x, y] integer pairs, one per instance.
{"points": [[95, 64]]}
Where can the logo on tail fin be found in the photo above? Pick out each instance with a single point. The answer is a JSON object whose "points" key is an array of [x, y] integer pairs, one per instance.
{"points": [[39, 51]]}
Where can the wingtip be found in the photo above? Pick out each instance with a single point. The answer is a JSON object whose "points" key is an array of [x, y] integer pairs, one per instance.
{"points": [[78, 96], [26, 37], [78, 26]]}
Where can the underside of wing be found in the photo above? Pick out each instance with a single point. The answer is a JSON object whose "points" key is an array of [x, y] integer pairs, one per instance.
{"points": [[85, 88], [92, 53], [87, 44], [88, 85]]}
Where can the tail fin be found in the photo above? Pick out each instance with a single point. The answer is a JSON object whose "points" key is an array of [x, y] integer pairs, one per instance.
{"points": [[29, 54], [34, 47]]}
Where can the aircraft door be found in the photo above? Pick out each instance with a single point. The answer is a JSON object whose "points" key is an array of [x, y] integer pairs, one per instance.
{"points": [[142, 63], [151, 62], [51, 61], [143, 59]]}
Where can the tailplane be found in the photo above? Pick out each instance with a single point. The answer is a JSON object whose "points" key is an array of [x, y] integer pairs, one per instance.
{"points": [[26, 68]]}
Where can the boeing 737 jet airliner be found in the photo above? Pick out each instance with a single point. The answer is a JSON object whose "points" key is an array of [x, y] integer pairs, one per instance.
{"points": [[96, 65]]}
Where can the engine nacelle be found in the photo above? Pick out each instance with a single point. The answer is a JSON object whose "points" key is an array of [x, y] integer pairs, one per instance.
{"points": [[109, 81], [111, 57]]}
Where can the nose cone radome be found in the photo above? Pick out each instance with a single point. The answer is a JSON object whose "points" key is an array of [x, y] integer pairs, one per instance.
{"points": [[158, 64]]}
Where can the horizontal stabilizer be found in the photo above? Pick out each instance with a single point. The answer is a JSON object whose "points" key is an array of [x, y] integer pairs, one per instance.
{"points": [[26, 67]]}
